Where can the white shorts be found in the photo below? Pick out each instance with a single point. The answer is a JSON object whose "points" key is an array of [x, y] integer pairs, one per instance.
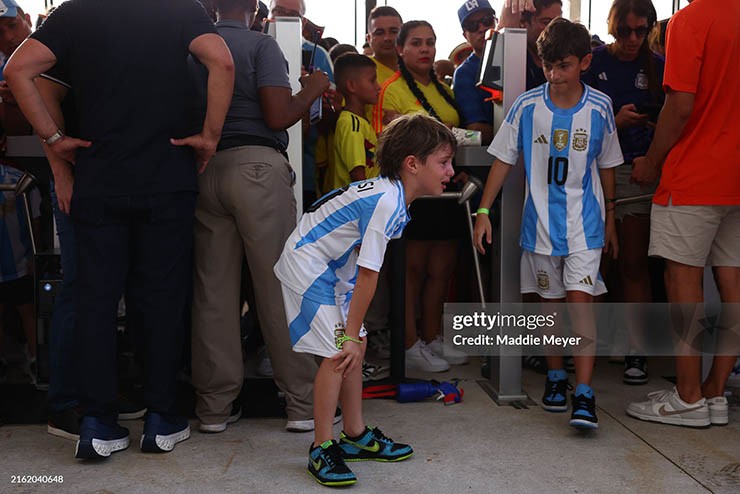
{"points": [[551, 276], [313, 326]]}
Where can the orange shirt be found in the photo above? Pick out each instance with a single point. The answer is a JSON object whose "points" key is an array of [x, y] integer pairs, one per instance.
{"points": [[702, 54]]}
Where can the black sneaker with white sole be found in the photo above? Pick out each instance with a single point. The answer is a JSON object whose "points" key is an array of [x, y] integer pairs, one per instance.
{"points": [[555, 397], [163, 432], [635, 370], [99, 438], [374, 372], [584, 411]]}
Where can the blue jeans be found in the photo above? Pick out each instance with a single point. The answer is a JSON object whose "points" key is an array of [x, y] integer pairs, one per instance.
{"points": [[63, 392]]}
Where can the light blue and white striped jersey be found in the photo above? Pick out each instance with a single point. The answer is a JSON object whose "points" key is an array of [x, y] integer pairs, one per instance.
{"points": [[563, 151], [347, 228], [15, 242]]}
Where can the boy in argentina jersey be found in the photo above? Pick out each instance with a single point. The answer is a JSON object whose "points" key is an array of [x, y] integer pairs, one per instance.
{"points": [[329, 272], [566, 133]]}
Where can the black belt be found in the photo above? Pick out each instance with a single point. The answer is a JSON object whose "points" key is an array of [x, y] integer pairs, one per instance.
{"points": [[246, 140]]}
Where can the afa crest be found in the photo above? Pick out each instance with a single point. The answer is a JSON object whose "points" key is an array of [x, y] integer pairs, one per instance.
{"points": [[543, 280], [580, 140], [641, 81], [560, 139]]}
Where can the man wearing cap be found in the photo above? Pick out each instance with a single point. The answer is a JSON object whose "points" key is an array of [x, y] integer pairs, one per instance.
{"points": [[15, 26], [259, 19], [476, 17]]}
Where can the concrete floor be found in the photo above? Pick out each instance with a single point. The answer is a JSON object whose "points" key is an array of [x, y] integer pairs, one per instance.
{"points": [[472, 447]]}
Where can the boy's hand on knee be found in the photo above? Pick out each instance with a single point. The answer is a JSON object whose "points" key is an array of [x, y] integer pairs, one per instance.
{"points": [[349, 358]]}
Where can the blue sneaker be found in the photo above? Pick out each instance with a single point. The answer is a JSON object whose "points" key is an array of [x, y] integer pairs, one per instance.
{"points": [[99, 439], [584, 408], [162, 432], [327, 467], [373, 445], [555, 398]]}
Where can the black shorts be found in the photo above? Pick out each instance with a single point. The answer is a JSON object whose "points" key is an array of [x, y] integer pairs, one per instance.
{"points": [[17, 292]]}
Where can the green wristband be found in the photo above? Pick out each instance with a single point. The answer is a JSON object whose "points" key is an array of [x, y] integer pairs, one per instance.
{"points": [[483, 211], [340, 340]]}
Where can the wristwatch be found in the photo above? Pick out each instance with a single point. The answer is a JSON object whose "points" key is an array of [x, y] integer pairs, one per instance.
{"points": [[53, 138]]}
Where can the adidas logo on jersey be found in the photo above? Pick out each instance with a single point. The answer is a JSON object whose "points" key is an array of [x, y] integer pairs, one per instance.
{"points": [[541, 139], [586, 281]]}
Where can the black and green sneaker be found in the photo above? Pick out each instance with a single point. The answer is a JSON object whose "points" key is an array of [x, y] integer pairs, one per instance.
{"points": [[373, 445], [326, 465]]}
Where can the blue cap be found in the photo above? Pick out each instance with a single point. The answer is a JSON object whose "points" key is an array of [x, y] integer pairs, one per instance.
{"points": [[471, 7], [8, 8]]}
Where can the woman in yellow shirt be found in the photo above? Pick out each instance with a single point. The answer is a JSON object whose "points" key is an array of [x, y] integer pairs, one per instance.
{"points": [[437, 224], [415, 88]]}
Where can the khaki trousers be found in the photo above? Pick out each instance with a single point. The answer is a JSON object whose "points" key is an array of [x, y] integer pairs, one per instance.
{"points": [[246, 205]]}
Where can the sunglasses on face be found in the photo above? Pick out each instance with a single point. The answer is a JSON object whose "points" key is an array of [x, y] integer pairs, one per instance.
{"points": [[625, 32], [472, 24]]}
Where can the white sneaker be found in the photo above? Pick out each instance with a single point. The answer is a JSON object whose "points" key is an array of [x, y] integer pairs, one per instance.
{"points": [[309, 425], [447, 352], [718, 411], [667, 407], [421, 358], [236, 414]]}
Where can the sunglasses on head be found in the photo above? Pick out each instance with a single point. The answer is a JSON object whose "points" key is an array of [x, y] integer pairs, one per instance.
{"points": [[624, 31], [472, 24]]}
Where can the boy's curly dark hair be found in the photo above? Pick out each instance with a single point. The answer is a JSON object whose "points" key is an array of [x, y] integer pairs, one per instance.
{"points": [[563, 38]]}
